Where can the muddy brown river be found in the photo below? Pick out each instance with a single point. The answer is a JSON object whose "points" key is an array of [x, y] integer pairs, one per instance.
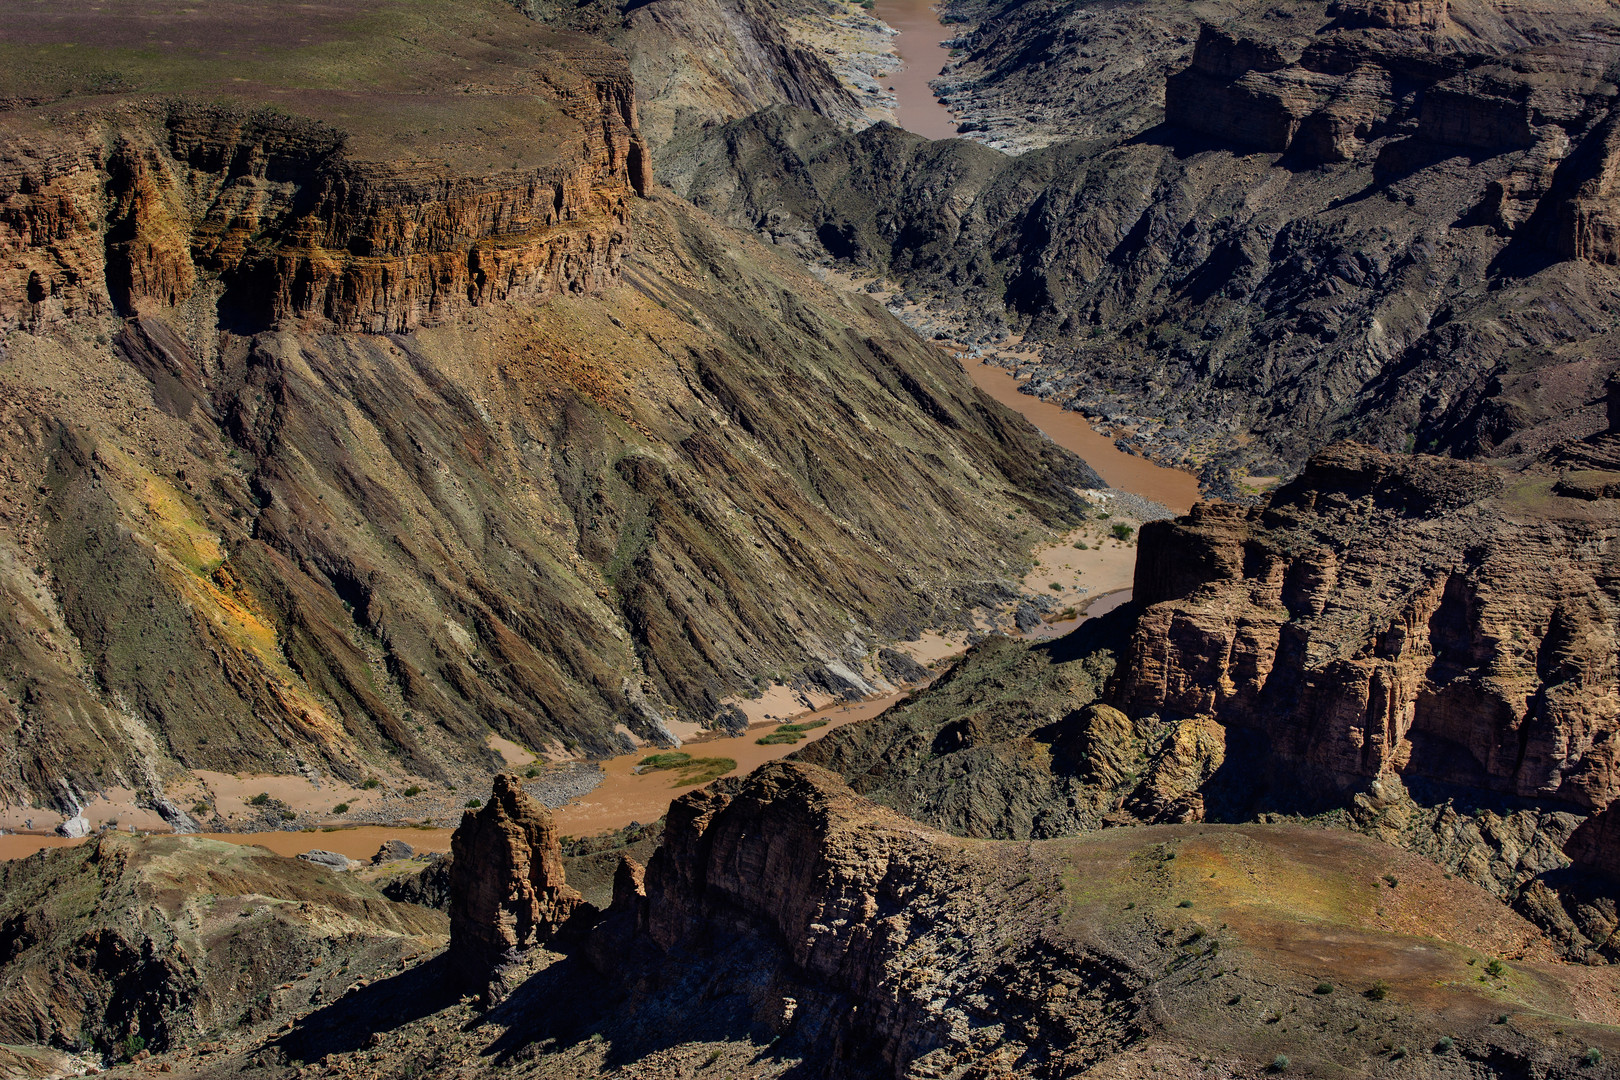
{"points": [[921, 59]]}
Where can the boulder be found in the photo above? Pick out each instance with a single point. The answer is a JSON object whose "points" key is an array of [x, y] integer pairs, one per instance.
{"points": [[392, 850], [331, 860]]}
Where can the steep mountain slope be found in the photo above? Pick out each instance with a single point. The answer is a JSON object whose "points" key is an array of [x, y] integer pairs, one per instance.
{"points": [[1342, 222], [333, 443]]}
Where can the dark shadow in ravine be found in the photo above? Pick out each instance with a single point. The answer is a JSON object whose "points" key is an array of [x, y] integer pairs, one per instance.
{"points": [[348, 1023], [651, 1002]]}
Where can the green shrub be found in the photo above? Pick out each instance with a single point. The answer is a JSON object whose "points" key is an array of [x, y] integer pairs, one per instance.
{"points": [[1324, 988], [341, 808], [1379, 991], [1081, 545], [688, 769], [1122, 532], [1279, 1064], [1055, 587], [1496, 969], [473, 804], [261, 799], [808, 725], [1391, 880], [532, 773], [199, 808], [133, 1045], [1184, 903], [371, 782], [1593, 1056], [776, 738], [413, 791], [1444, 1046]]}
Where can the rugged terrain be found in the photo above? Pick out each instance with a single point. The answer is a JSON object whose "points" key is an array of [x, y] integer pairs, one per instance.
{"points": [[1296, 222], [355, 412], [787, 926]]}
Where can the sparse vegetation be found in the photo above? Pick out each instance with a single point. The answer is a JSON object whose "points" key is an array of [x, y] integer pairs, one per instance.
{"points": [[371, 783], [1593, 1056], [688, 769], [1391, 880], [1378, 991], [341, 808], [1496, 969], [1445, 1045], [261, 799], [413, 791], [199, 808]]}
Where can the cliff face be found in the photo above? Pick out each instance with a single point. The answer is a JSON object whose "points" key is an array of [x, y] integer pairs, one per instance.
{"points": [[1389, 615], [274, 212]]}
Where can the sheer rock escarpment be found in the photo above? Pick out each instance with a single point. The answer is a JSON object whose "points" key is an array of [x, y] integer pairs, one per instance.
{"points": [[1389, 625]]}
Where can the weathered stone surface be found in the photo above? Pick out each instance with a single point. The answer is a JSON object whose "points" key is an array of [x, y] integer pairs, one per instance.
{"points": [[392, 850], [508, 889], [331, 860]]}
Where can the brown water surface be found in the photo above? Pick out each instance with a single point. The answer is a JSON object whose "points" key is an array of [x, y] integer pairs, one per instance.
{"points": [[1172, 487], [921, 59], [623, 797], [626, 796]]}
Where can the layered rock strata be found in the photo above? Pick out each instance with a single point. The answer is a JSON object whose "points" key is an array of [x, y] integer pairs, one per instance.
{"points": [[360, 411]]}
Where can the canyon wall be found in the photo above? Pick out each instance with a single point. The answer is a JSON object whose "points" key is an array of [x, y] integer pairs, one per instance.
{"points": [[1383, 615], [295, 232], [1305, 222]]}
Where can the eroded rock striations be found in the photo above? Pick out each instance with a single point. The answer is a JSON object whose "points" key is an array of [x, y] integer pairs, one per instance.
{"points": [[340, 432]]}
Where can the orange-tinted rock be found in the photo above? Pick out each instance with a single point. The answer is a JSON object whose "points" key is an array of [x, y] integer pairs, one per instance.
{"points": [[1392, 615], [300, 228], [508, 890]]}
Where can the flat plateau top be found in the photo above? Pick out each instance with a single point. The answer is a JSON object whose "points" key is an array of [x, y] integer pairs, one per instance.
{"points": [[406, 79]]}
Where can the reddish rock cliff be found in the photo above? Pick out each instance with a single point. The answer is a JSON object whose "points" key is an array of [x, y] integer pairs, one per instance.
{"points": [[1393, 615], [135, 203], [508, 890]]}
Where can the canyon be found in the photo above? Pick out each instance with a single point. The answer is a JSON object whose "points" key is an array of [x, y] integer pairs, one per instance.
{"points": [[419, 404], [304, 475]]}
